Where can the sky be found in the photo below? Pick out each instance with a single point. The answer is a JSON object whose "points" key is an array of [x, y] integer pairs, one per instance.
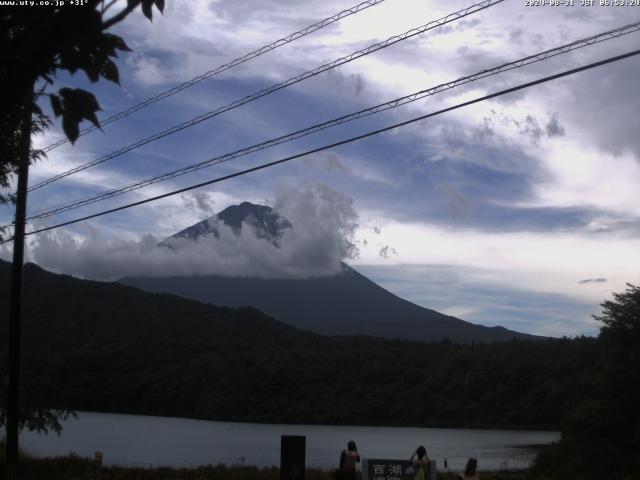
{"points": [[518, 211]]}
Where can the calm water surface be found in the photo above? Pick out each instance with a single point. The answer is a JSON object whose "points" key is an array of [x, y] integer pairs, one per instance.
{"points": [[154, 441]]}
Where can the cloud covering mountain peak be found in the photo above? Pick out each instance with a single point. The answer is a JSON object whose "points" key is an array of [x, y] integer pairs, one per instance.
{"points": [[308, 233], [263, 220]]}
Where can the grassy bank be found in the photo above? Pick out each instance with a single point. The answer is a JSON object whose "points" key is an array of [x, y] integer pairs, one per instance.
{"points": [[76, 468]]}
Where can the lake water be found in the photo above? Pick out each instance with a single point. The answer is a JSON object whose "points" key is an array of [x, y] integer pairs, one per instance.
{"points": [[160, 441]]}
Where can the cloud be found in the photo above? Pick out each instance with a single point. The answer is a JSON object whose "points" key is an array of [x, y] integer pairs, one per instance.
{"points": [[499, 125], [387, 251], [324, 221], [533, 261], [345, 166], [457, 205], [553, 127], [202, 202], [532, 129], [477, 295], [346, 84], [149, 71], [593, 280]]}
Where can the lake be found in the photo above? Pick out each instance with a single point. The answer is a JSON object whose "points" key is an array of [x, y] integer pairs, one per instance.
{"points": [[136, 440]]}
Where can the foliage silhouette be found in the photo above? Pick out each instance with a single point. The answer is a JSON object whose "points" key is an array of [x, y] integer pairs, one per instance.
{"points": [[36, 43], [601, 436]]}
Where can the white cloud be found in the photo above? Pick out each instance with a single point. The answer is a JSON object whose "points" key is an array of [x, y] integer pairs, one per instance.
{"points": [[582, 176], [542, 262], [323, 219]]}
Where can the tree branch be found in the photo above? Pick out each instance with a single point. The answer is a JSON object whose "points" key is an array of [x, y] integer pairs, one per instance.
{"points": [[108, 6], [121, 16]]}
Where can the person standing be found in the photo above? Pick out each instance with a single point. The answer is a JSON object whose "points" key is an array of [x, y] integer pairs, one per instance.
{"points": [[471, 470], [348, 460], [420, 461]]}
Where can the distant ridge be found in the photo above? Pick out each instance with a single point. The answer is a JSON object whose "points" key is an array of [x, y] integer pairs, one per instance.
{"points": [[347, 303], [64, 313]]}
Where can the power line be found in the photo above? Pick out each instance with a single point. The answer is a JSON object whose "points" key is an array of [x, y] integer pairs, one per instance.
{"points": [[342, 142], [279, 86], [611, 34], [245, 58]]}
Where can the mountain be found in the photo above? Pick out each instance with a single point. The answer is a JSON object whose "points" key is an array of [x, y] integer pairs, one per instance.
{"points": [[266, 224], [105, 347], [347, 303], [62, 313]]}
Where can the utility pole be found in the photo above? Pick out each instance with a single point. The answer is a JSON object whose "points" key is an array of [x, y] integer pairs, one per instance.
{"points": [[15, 302]]}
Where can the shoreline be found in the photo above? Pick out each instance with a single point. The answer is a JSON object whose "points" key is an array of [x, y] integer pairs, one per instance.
{"points": [[82, 468], [297, 424]]}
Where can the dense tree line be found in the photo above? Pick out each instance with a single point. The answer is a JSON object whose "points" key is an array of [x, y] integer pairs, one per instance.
{"points": [[331, 381], [601, 434]]}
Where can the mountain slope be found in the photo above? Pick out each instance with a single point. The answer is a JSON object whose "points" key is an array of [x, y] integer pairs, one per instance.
{"points": [[62, 312], [343, 304]]}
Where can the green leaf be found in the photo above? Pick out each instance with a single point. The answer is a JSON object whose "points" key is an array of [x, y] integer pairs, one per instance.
{"points": [[92, 68], [146, 8], [56, 105], [66, 93], [70, 127], [110, 71], [93, 119], [116, 42], [77, 104]]}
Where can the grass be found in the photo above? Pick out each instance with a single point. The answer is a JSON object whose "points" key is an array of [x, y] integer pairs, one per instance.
{"points": [[73, 467], [76, 468]]}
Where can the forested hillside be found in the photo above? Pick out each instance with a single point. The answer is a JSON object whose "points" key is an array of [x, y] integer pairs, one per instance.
{"points": [[64, 313], [106, 347]]}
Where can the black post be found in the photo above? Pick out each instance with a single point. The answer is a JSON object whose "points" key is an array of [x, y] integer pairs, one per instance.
{"points": [[292, 457], [15, 302]]}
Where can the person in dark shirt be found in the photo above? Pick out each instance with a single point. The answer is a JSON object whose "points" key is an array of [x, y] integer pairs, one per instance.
{"points": [[471, 470], [348, 460]]}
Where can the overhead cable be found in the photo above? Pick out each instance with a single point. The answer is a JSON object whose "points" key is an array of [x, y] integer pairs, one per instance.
{"points": [[245, 58], [342, 120], [274, 88], [342, 142]]}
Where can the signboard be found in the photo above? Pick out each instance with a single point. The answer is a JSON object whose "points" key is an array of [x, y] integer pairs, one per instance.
{"points": [[386, 469]]}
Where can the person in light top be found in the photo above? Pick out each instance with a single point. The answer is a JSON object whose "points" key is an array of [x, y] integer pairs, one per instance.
{"points": [[420, 461]]}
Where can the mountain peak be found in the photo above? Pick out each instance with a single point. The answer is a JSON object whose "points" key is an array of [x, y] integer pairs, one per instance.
{"points": [[264, 220]]}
